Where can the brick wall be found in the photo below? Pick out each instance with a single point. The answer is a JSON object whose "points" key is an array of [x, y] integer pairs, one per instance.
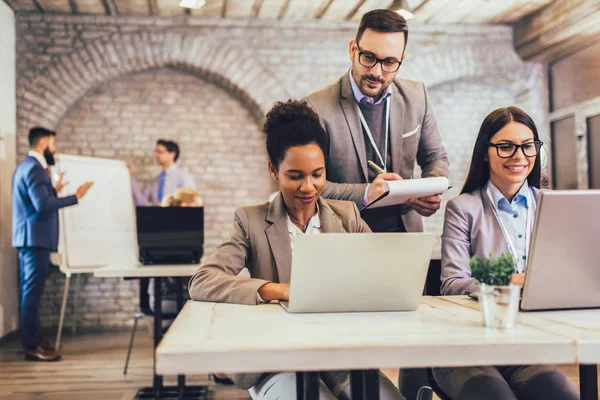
{"points": [[82, 76]]}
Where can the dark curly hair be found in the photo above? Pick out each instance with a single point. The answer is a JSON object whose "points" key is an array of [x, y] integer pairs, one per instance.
{"points": [[292, 123]]}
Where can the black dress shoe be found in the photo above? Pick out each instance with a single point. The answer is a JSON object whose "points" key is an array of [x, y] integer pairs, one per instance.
{"points": [[222, 381], [41, 354]]}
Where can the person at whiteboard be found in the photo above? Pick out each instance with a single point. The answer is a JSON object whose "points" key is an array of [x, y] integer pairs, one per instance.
{"points": [[171, 178], [494, 214], [263, 239], [35, 205]]}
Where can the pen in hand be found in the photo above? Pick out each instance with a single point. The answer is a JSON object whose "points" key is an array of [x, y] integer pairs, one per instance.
{"points": [[375, 167]]}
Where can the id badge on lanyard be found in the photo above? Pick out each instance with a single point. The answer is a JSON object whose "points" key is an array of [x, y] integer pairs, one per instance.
{"points": [[511, 246], [383, 159]]}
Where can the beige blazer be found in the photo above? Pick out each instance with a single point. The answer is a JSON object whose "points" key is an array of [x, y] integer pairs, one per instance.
{"points": [[260, 242], [414, 136]]}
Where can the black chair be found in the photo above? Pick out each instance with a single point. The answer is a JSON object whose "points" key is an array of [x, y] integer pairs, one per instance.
{"points": [[145, 311], [432, 288]]}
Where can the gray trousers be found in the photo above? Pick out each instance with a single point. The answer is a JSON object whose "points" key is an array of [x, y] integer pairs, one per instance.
{"points": [[515, 382], [333, 385]]}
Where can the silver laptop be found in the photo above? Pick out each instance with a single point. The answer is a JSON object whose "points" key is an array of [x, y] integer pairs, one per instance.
{"points": [[563, 269], [351, 272]]}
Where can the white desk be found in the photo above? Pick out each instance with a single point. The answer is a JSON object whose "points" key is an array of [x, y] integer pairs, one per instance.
{"points": [[581, 326], [209, 337], [146, 271]]}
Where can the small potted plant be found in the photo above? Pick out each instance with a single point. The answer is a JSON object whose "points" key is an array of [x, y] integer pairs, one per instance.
{"points": [[498, 297]]}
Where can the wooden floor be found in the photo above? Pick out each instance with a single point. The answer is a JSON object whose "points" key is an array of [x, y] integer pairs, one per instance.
{"points": [[92, 369]]}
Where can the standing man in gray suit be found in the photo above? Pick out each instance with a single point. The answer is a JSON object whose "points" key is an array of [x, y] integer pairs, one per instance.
{"points": [[370, 115]]}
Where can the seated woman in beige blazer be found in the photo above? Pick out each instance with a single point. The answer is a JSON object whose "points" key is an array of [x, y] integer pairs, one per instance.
{"points": [[494, 214], [263, 239]]}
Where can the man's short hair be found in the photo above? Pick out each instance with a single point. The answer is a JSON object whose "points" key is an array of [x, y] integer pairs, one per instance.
{"points": [[36, 133], [171, 147], [385, 21]]}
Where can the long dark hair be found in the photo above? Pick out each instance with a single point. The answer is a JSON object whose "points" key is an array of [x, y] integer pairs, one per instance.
{"points": [[479, 171]]}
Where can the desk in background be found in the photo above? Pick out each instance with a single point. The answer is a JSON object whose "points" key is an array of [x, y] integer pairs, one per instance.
{"points": [[157, 272]]}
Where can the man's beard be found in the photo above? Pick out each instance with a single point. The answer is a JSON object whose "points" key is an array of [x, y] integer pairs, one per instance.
{"points": [[49, 156]]}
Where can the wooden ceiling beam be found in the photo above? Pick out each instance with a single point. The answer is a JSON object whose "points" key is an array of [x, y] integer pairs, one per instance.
{"points": [[224, 9], [557, 29], [420, 6], [256, 6], [323, 9], [40, 6], [283, 10], [355, 9], [74, 6], [153, 7], [110, 7]]}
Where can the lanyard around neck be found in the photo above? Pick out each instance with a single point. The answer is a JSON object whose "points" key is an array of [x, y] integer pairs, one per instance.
{"points": [[383, 159], [527, 233]]}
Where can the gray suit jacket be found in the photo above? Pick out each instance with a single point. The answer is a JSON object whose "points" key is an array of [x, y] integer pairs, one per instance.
{"points": [[260, 242], [413, 136], [470, 229]]}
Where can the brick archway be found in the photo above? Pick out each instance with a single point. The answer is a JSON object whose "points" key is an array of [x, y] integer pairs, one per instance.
{"points": [[45, 99], [470, 61]]}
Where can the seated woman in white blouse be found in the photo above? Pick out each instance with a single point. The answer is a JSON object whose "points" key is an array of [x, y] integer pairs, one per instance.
{"points": [[494, 214], [263, 236]]}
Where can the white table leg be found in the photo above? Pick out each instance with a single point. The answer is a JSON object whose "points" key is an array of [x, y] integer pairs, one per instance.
{"points": [[75, 299], [63, 308]]}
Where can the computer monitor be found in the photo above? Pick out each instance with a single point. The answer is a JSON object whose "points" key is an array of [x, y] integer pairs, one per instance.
{"points": [[170, 235], [563, 270]]}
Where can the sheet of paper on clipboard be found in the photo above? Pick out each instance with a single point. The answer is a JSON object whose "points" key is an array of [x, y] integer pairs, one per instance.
{"points": [[400, 191]]}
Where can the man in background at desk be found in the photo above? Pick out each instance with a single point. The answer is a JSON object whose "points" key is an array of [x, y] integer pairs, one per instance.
{"points": [[171, 178], [35, 208], [371, 116]]}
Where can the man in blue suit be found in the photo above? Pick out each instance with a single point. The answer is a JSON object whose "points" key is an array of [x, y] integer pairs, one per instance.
{"points": [[35, 208]]}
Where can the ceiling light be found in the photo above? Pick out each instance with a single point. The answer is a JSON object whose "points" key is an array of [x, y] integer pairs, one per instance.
{"points": [[191, 3], [401, 8]]}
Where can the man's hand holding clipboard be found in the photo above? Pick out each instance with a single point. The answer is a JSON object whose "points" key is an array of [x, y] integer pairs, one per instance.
{"points": [[423, 195]]}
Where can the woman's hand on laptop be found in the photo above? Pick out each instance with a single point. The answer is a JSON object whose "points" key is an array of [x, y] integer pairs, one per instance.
{"points": [[275, 291], [518, 279]]}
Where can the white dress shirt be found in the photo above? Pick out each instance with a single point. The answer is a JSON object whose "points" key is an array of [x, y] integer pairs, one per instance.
{"points": [[313, 228], [40, 158]]}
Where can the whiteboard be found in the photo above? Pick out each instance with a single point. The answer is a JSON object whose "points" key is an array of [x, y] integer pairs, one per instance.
{"points": [[101, 229]]}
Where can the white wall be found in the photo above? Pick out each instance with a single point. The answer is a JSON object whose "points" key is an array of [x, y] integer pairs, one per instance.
{"points": [[9, 312]]}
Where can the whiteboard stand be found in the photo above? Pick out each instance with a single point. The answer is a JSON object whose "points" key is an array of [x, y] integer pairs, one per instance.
{"points": [[63, 307]]}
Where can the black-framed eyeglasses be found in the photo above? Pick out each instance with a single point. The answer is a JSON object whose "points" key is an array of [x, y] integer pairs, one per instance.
{"points": [[508, 149], [369, 60]]}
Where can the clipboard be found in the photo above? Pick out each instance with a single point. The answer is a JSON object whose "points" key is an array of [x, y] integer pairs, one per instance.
{"points": [[398, 192]]}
